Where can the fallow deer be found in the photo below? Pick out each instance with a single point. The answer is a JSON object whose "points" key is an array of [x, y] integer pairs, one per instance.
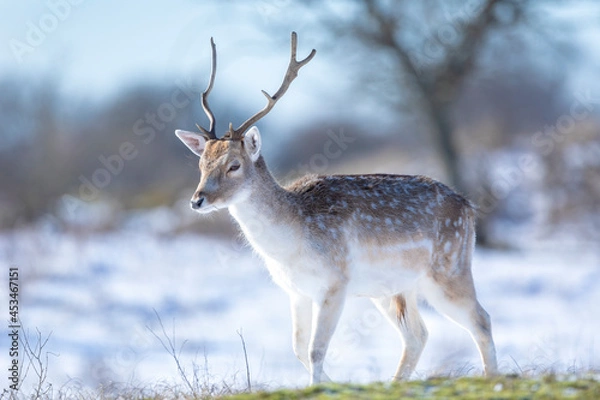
{"points": [[387, 237]]}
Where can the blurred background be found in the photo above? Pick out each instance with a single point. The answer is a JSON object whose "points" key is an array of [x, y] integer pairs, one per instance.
{"points": [[500, 99]]}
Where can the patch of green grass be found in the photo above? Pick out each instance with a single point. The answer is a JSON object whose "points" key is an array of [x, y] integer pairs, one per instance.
{"points": [[585, 386], [506, 387]]}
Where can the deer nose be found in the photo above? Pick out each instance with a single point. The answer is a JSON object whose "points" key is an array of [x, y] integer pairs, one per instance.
{"points": [[196, 204]]}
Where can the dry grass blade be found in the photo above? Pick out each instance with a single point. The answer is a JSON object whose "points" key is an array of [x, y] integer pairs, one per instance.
{"points": [[36, 360], [248, 380], [170, 346]]}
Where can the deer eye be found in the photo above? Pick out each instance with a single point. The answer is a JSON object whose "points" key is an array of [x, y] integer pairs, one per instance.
{"points": [[233, 167]]}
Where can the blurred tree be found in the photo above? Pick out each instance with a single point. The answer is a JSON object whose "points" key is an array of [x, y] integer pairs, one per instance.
{"points": [[573, 182], [421, 55], [33, 156], [55, 145]]}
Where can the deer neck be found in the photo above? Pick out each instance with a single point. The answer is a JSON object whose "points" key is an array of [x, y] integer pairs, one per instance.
{"points": [[263, 213]]}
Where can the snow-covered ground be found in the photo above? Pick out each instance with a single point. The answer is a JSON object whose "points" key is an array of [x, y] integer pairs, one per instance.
{"points": [[97, 296]]}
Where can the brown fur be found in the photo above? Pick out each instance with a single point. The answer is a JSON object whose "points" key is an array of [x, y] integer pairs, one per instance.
{"points": [[400, 308]]}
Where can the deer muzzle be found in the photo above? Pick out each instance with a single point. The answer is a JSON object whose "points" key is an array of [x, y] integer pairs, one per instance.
{"points": [[197, 202]]}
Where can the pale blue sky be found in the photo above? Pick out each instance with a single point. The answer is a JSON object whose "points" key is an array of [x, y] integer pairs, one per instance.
{"points": [[100, 44], [97, 47]]}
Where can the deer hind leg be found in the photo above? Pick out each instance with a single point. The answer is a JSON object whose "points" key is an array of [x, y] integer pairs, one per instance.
{"points": [[456, 299], [403, 313], [301, 328]]}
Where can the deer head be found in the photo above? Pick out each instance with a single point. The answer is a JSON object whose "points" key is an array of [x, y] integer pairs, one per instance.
{"points": [[228, 165]]}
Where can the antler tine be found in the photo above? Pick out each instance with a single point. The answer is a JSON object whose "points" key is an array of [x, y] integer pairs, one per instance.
{"points": [[290, 75], [210, 133]]}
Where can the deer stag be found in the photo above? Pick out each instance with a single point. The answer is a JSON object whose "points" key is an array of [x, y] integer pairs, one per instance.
{"points": [[387, 237]]}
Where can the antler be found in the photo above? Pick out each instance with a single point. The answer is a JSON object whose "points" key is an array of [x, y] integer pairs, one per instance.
{"points": [[210, 133], [291, 74]]}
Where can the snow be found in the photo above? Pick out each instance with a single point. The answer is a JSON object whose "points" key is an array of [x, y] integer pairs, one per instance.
{"points": [[97, 295]]}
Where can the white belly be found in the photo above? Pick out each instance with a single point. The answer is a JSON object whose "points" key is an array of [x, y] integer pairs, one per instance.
{"points": [[366, 269], [381, 272], [381, 281], [384, 271], [308, 277]]}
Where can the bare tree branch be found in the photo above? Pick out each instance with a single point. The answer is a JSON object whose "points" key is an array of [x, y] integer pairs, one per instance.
{"points": [[385, 36], [461, 59], [436, 86]]}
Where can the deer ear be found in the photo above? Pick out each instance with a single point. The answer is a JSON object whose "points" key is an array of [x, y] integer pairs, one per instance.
{"points": [[193, 141], [252, 142]]}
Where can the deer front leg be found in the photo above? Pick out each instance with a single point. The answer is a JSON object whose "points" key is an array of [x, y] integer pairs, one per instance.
{"points": [[301, 329], [326, 314], [301, 326]]}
